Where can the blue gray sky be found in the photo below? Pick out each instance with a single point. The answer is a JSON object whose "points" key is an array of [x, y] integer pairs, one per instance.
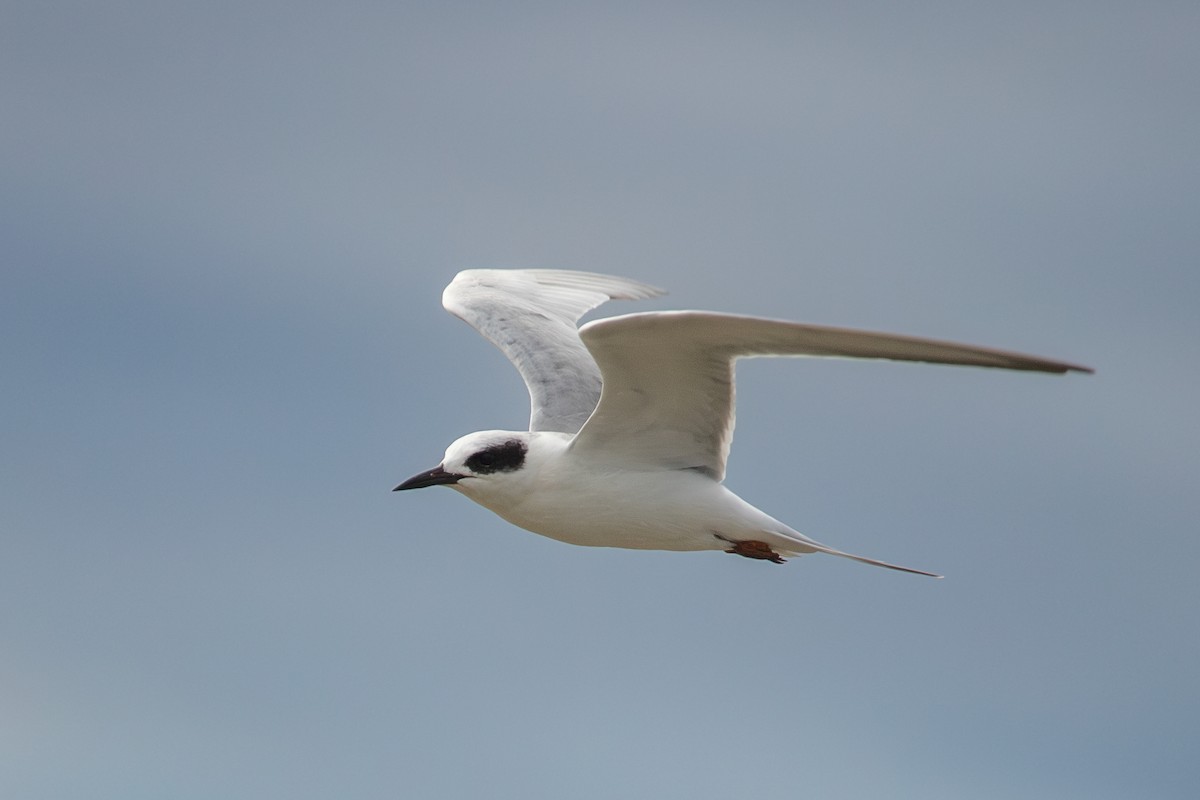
{"points": [[224, 229]]}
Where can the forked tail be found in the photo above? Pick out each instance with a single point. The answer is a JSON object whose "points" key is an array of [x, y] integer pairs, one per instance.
{"points": [[802, 544], [874, 562]]}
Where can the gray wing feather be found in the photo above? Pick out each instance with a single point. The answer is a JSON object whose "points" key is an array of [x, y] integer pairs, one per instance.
{"points": [[530, 314], [668, 398]]}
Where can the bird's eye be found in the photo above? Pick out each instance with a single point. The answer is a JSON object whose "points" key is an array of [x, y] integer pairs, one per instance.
{"points": [[505, 457]]}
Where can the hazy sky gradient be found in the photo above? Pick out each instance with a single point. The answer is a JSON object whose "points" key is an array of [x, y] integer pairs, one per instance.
{"points": [[224, 230]]}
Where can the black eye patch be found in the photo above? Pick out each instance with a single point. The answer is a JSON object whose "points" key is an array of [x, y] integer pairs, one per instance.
{"points": [[505, 457]]}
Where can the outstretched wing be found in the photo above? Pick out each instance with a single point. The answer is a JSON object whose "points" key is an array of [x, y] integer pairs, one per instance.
{"points": [[668, 399], [530, 314]]}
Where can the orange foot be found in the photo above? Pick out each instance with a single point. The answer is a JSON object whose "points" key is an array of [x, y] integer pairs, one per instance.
{"points": [[754, 549]]}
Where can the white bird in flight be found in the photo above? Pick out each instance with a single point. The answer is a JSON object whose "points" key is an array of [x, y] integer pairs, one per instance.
{"points": [[632, 416]]}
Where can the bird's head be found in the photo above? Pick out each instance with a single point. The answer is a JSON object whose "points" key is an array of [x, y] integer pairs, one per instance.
{"points": [[484, 465]]}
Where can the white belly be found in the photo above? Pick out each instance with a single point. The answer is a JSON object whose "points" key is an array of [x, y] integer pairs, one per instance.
{"points": [[680, 510]]}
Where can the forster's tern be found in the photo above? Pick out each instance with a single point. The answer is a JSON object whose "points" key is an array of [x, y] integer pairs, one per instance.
{"points": [[632, 416]]}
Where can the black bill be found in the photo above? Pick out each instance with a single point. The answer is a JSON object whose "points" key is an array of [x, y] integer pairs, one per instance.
{"points": [[434, 477]]}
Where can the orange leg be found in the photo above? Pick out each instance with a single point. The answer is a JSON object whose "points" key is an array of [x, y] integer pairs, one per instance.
{"points": [[752, 549]]}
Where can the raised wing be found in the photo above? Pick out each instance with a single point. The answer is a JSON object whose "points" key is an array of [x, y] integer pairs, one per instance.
{"points": [[668, 398], [530, 314]]}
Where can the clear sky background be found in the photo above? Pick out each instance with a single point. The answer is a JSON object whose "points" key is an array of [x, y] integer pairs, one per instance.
{"points": [[224, 230]]}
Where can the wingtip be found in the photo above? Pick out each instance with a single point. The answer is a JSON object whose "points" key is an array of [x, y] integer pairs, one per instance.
{"points": [[644, 292]]}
